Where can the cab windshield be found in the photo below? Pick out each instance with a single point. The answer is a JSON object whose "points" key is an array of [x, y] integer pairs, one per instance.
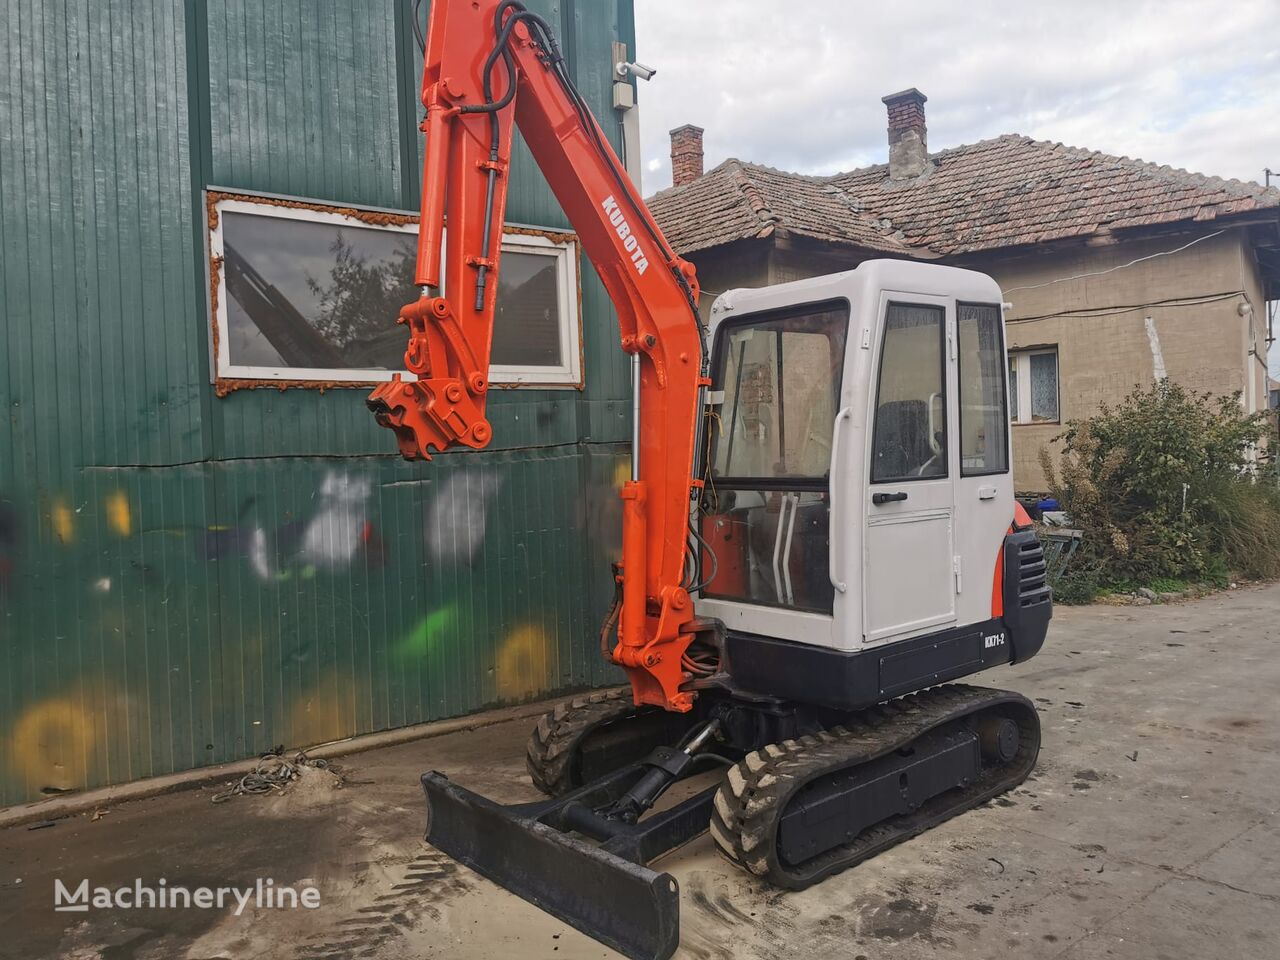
{"points": [[770, 456]]}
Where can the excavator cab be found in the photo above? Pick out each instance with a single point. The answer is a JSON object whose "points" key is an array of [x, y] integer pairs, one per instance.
{"points": [[858, 485], [858, 481]]}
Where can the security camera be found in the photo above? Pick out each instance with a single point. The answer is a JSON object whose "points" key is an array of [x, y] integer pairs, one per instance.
{"points": [[636, 70]]}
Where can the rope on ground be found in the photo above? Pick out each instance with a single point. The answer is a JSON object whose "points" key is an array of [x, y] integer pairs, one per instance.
{"points": [[273, 773]]}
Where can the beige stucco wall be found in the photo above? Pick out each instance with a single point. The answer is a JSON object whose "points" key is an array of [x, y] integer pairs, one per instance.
{"points": [[1205, 346]]}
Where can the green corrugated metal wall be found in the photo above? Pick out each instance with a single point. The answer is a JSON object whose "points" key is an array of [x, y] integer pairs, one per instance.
{"points": [[185, 579]]}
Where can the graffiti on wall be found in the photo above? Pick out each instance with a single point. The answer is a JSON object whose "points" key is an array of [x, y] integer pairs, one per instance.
{"points": [[457, 515], [333, 534], [351, 597]]}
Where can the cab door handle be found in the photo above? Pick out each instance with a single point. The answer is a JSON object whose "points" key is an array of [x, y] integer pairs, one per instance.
{"points": [[879, 498], [986, 493]]}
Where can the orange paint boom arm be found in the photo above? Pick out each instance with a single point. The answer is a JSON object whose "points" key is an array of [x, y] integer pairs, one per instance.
{"points": [[489, 65]]}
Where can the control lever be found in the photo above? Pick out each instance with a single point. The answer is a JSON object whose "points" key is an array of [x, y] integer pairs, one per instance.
{"points": [[879, 498]]}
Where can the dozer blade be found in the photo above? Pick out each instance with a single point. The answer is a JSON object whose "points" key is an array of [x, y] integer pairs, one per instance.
{"points": [[622, 904]]}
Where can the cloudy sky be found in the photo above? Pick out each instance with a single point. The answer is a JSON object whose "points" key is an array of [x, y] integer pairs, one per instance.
{"points": [[796, 84]]}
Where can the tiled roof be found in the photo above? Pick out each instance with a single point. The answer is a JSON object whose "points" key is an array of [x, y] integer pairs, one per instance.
{"points": [[740, 200], [1005, 192]]}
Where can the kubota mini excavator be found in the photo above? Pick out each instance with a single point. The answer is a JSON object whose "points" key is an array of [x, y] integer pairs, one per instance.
{"points": [[819, 532]]}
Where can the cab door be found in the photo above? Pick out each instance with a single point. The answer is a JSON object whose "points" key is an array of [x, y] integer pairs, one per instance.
{"points": [[909, 556]]}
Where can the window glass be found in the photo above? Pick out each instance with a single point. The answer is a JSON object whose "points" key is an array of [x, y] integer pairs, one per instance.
{"points": [[311, 294], [781, 380], [910, 440], [526, 325], [1013, 388], [770, 548], [315, 295], [1044, 386], [983, 424]]}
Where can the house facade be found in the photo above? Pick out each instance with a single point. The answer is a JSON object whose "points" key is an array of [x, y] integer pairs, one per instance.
{"points": [[207, 545], [1115, 272]]}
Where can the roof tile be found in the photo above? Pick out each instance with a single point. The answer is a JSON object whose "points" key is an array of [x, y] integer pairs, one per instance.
{"points": [[1003, 192]]}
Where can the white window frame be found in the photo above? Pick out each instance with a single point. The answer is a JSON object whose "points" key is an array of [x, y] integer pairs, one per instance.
{"points": [[1020, 406], [515, 240]]}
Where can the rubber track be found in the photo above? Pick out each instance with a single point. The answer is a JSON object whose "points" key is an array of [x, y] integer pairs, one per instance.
{"points": [[751, 800], [554, 741]]}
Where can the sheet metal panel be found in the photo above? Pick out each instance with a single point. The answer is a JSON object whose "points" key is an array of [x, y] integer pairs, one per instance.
{"points": [[187, 579]]}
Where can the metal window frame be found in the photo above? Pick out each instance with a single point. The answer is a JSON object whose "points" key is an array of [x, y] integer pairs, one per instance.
{"points": [[1020, 409], [515, 239]]}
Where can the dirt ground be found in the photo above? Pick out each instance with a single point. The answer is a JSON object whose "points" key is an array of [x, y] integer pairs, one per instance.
{"points": [[1149, 830]]}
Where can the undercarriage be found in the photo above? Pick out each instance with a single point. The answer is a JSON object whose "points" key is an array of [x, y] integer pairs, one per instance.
{"points": [[801, 792]]}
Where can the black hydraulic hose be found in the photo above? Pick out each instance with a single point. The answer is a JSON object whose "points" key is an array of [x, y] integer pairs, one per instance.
{"points": [[491, 107], [557, 65], [589, 124], [715, 561], [417, 26]]}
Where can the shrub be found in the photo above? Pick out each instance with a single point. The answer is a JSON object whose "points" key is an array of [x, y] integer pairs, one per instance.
{"points": [[1080, 582], [1244, 523], [1162, 488]]}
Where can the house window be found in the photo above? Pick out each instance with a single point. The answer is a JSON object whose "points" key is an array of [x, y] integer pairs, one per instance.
{"points": [[308, 293], [1033, 386], [535, 327]]}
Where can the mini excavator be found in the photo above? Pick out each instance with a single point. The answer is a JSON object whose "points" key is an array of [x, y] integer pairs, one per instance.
{"points": [[819, 532]]}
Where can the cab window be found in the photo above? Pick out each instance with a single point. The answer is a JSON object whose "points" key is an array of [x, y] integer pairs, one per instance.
{"points": [[766, 508], [781, 380], [910, 430], [984, 422]]}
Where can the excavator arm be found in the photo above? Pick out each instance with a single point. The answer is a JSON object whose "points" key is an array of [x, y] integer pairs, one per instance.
{"points": [[489, 65]]}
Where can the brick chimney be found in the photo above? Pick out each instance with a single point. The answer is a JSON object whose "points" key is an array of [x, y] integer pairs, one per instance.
{"points": [[686, 154], [908, 136]]}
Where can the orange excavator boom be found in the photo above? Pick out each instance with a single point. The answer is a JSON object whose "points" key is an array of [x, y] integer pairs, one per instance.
{"points": [[490, 65]]}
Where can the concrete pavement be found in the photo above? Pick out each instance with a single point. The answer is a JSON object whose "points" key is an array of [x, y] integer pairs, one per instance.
{"points": [[1149, 830]]}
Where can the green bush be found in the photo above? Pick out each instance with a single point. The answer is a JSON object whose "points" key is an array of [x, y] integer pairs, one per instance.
{"points": [[1080, 582], [1161, 484], [1244, 524]]}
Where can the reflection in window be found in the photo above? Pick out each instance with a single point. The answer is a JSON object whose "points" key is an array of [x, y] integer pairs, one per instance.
{"points": [[910, 440], [1033, 386], [310, 294], [983, 425], [304, 294], [526, 325], [781, 379]]}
